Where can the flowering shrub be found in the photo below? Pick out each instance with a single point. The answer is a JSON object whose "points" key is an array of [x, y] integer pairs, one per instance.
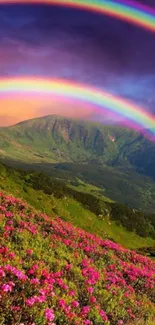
{"points": [[53, 273]]}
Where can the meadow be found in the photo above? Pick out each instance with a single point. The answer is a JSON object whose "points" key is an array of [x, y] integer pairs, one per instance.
{"points": [[54, 273]]}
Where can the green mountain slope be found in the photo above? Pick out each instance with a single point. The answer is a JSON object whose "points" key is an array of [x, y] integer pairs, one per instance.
{"points": [[93, 213], [120, 184], [117, 160], [58, 139]]}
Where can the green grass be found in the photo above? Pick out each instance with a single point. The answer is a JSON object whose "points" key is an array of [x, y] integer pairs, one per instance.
{"points": [[85, 187], [71, 210], [123, 169]]}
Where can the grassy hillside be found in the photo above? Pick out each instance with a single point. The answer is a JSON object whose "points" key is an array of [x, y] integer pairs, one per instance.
{"points": [[58, 139], [55, 274], [119, 161], [123, 185], [93, 212]]}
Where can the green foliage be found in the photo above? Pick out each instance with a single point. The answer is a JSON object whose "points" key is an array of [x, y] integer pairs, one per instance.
{"points": [[122, 168], [93, 212]]}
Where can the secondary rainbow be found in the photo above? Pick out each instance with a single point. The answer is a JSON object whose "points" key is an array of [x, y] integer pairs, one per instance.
{"points": [[129, 11], [101, 99]]}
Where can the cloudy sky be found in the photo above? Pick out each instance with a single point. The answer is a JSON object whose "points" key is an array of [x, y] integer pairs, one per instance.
{"points": [[57, 42]]}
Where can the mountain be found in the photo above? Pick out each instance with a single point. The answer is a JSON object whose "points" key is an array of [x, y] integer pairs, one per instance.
{"points": [[120, 161], [55, 273], [58, 139]]}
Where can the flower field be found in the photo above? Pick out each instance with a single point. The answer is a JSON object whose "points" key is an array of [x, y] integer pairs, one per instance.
{"points": [[52, 273]]}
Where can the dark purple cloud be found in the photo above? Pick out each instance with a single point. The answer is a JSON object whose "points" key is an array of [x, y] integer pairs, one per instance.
{"points": [[64, 43]]}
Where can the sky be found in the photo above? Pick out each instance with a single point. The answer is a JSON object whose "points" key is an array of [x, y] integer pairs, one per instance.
{"points": [[56, 42]]}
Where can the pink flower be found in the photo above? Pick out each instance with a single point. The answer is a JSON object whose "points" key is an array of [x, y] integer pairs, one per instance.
{"points": [[15, 308], [6, 287], [75, 304], [103, 315], [29, 251], [90, 289], [35, 281], [67, 309], [68, 267], [85, 310], [41, 299], [8, 214], [30, 301], [62, 303], [2, 273], [92, 299], [49, 314], [11, 255], [71, 293]]}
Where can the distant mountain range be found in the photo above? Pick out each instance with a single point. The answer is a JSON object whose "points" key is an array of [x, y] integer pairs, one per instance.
{"points": [[117, 159]]}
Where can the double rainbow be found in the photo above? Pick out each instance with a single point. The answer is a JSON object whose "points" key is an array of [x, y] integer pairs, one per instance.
{"points": [[129, 11], [97, 98]]}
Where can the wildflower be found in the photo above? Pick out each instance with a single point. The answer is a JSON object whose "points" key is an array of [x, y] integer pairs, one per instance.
{"points": [[92, 299], [71, 293], [87, 322], [85, 310], [49, 314], [2, 273], [6, 287], [75, 304], [61, 303], [90, 289], [30, 301], [15, 308], [68, 267], [103, 315], [29, 251], [35, 281]]}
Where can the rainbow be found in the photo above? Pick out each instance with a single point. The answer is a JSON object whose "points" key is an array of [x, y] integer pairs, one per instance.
{"points": [[98, 98], [129, 11]]}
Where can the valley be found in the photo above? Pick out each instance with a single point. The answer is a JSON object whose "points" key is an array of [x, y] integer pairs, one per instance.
{"points": [[64, 148]]}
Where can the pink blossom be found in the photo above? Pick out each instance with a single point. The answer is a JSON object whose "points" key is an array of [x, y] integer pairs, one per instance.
{"points": [[15, 308], [103, 315], [68, 267], [49, 314], [87, 322], [90, 289], [2, 273], [30, 301], [71, 293], [35, 281], [92, 299], [61, 303], [6, 287], [75, 304], [29, 251], [85, 310]]}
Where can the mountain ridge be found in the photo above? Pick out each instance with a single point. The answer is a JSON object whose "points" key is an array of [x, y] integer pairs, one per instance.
{"points": [[58, 139], [113, 158], [90, 137]]}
